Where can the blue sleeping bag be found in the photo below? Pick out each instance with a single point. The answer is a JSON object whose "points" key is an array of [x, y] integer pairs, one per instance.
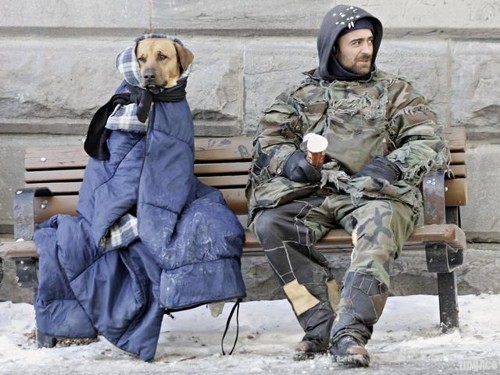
{"points": [[149, 237]]}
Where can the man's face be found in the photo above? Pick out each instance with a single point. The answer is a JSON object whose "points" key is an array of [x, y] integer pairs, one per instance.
{"points": [[355, 50]]}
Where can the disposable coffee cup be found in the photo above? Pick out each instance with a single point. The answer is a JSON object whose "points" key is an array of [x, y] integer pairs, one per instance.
{"points": [[316, 146]]}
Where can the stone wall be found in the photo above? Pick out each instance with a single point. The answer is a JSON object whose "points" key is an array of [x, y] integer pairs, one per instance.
{"points": [[58, 67]]}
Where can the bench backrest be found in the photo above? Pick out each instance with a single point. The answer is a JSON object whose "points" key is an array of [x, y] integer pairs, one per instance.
{"points": [[220, 162]]}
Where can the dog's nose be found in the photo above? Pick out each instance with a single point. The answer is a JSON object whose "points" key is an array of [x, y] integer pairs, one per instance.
{"points": [[149, 75]]}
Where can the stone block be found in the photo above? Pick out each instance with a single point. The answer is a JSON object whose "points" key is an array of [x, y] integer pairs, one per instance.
{"points": [[432, 14], [422, 62], [75, 14], [255, 16], [250, 17], [475, 87], [481, 270], [72, 79], [481, 215], [269, 67], [57, 78], [215, 87]]}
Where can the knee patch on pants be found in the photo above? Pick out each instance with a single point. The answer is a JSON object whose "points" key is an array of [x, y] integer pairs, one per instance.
{"points": [[333, 293], [300, 298]]}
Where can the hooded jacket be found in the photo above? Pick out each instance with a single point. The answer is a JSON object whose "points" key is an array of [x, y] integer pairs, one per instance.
{"points": [[337, 21], [148, 238], [376, 115]]}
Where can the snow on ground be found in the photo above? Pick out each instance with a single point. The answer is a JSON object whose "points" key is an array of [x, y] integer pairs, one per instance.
{"points": [[407, 340]]}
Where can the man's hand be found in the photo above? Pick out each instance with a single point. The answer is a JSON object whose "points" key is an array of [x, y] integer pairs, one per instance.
{"points": [[298, 169], [380, 167]]}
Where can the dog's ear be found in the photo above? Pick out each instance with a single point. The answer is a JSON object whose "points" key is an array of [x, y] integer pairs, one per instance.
{"points": [[184, 55]]}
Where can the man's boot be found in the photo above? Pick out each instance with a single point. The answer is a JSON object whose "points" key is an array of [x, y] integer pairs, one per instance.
{"points": [[361, 303], [317, 323]]}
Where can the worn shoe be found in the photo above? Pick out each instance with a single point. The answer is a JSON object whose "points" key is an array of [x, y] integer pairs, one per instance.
{"points": [[350, 352], [307, 349]]}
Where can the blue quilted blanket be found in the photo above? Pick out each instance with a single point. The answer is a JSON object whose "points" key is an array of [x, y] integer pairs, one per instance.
{"points": [[148, 237]]}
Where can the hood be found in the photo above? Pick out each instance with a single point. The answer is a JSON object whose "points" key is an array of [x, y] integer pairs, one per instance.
{"points": [[337, 20], [127, 65]]}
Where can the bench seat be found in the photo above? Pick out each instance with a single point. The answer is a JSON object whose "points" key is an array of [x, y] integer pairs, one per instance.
{"points": [[53, 176]]}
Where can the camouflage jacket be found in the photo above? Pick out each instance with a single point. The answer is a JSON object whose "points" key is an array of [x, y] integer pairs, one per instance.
{"points": [[381, 116]]}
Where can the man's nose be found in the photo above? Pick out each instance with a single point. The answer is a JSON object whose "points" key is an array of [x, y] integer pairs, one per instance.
{"points": [[367, 48]]}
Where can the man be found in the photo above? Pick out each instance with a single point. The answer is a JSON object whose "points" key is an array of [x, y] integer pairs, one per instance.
{"points": [[382, 138]]}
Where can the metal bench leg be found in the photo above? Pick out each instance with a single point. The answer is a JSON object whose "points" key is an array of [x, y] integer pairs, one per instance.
{"points": [[448, 300]]}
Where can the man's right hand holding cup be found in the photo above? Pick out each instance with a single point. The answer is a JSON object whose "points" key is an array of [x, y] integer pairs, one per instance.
{"points": [[306, 167]]}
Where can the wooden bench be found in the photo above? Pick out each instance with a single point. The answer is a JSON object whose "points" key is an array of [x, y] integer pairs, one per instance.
{"points": [[53, 176]]}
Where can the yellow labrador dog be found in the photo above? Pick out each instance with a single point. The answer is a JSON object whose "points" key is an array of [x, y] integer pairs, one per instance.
{"points": [[161, 62]]}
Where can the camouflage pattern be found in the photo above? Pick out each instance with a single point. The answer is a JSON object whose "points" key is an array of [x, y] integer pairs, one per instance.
{"points": [[382, 116], [379, 228], [361, 305], [361, 119]]}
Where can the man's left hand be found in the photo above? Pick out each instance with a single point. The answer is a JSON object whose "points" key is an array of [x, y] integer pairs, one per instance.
{"points": [[380, 167]]}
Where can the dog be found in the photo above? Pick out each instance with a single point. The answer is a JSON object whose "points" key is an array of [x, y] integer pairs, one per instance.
{"points": [[161, 62]]}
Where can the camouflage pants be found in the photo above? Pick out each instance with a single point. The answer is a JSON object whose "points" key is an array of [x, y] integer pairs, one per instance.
{"points": [[301, 270], [289, 232]]}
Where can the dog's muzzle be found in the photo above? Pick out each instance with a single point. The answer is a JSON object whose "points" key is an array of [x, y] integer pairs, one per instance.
{"points": [[149, 81]]}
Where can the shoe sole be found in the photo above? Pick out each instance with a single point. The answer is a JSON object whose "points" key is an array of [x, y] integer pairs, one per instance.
{"points": [[305, 356], [353, 360]]}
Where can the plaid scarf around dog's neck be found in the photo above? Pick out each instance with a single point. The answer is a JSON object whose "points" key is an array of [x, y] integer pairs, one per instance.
{"points": [[133, 116]]}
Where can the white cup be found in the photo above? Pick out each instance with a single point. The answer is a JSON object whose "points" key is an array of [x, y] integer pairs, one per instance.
{"points": [[316, 147]]}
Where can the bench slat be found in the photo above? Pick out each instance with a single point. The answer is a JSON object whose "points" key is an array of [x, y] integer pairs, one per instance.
{"points": [[58, 187], [41, 158], [221, 181], [206, 149], [458, 170], [438, 233], [209, 149], [73, 187], [200, 170], [456, 194], [54, 175], [456, 137], [458, 158], [46, 207], [448, 233], [71, 162], [221, 168], [233, 148]]}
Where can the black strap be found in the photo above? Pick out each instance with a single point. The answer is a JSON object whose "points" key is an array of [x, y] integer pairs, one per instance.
{"points": [[237, 308], [96, 144], [96, 141]]}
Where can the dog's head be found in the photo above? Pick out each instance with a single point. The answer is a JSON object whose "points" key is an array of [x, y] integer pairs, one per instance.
{"points": [[161, 62]]}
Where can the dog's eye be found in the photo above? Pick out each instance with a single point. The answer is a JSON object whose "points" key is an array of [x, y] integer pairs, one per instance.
{"points": [[161, 56], [141, 59]]}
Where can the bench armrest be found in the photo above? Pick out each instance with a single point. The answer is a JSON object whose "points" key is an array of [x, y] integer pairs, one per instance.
{"points": [[433, 191], [24, 211]]}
